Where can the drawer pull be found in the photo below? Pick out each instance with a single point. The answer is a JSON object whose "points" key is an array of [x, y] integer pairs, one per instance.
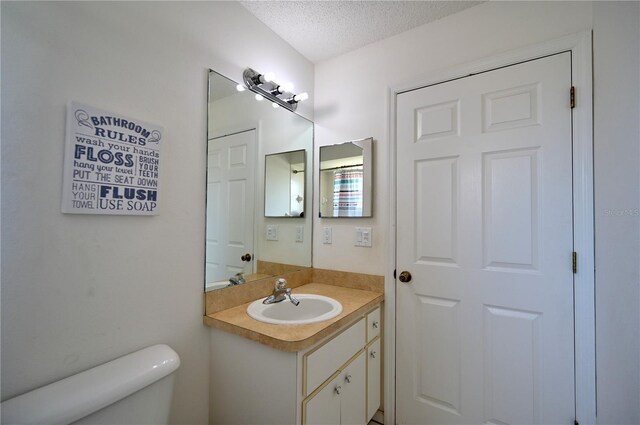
{"points": [[373, 354], [338, 389], [375, 324], [347, 379]]}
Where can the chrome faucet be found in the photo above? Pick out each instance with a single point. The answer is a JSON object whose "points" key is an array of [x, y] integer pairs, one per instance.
{"points": [[280, 293], [237, 279]]}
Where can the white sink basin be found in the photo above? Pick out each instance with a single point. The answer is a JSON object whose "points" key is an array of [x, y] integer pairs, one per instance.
{"points": [[312, 309]]}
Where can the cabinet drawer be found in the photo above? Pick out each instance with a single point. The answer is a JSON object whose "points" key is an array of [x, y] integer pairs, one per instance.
{"points": [[373, 324], [323, 362]]}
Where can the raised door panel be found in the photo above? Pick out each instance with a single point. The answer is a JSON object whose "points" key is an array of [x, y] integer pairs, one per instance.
{"points": [[512, 392], [436, 205], [510, 200], [438, 353]]}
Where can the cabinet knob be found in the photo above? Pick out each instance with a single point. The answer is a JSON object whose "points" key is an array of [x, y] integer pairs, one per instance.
{"points": [[373, 354], [347, 379], [338, 389], [375, 324]]}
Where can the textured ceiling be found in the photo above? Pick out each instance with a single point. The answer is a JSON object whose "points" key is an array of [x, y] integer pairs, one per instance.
{"points": [[324, 29]]}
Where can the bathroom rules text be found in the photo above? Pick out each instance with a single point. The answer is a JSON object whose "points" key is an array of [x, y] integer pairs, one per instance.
{"points": [[111, 163]]}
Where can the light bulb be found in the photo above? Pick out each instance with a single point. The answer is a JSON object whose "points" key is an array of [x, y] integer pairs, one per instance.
{"points": [[300, 97], [268, 77], [259, 97], [286, 88], [275, 105], [240, 87]]}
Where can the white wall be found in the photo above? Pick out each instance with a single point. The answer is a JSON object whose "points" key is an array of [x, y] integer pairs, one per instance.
{"points": [[79, 290], [616, 74], [351, 103]]}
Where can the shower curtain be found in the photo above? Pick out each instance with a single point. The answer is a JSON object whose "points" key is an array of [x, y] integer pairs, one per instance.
{"points": [[347, 192]]}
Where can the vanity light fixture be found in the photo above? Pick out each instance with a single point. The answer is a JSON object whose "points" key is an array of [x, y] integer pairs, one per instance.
{"points": [[279, 94], [240, 87]]}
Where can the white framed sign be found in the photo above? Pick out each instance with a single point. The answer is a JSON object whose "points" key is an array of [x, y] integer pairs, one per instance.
{"points": [[111, 163]]}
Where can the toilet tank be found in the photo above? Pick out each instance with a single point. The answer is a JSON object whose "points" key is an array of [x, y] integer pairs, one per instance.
{"points": [[133, 389]]}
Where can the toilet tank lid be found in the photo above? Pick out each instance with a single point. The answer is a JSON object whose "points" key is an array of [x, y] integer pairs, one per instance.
{"points": [[80, 395]]}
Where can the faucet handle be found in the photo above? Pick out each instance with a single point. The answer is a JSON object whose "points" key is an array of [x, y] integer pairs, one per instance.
{"points": [[281, 283]]}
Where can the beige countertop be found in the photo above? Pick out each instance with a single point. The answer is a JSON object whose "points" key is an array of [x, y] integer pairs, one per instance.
{"points": [[355, 302]]}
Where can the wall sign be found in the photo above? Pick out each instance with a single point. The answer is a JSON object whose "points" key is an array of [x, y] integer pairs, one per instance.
{"points": [[111, 163]]}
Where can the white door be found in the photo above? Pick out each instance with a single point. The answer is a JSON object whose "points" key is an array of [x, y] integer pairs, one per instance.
{"points": [[230, 205], [484, 226]]}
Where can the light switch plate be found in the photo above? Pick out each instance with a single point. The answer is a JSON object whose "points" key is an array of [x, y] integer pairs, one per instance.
{"points": [[363, 236], [326, 235], [272, 232], [299, 233]]}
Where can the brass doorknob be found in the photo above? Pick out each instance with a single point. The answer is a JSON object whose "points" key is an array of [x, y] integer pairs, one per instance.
{"points": [[246, 257], [405, 277]]}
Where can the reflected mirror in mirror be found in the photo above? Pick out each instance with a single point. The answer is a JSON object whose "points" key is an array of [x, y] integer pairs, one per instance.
{"points": [[242, 244], [284, 184], [346, 179]]}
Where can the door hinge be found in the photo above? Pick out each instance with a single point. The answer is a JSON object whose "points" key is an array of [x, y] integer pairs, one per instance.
{"points": [[575, 262], [572, 97]]}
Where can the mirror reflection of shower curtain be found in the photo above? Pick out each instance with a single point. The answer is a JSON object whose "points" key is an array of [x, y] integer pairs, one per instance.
{"points": [[347, 192]]}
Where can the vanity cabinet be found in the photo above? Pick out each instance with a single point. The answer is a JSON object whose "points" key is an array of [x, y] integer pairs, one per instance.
{"points": [[334, 382], [341, 399], [351, 367]]}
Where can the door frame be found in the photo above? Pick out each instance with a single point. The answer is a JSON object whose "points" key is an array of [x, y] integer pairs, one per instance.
{"points": [[580, 46]]}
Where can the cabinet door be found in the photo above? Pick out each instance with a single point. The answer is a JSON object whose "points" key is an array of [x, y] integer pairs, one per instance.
{"points": [[374, 371], [323, 408], [353, 403], [373, 324]]}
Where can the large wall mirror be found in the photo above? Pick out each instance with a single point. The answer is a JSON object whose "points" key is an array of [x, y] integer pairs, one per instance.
{"points": [[250, 142], [346, 179]]}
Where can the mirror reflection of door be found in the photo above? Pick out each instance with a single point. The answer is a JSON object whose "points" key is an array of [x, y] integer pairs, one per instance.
{"points": [[230, 206], [284, 188]]}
